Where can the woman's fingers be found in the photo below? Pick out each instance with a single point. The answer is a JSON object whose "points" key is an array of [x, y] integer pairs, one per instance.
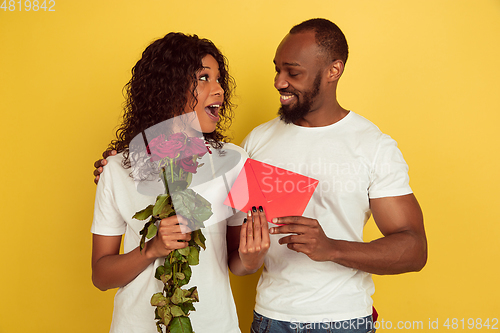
{"points": [[254, 239], [257, 227], [174, 232], [265, 241], [243, 236], [254, 235]]}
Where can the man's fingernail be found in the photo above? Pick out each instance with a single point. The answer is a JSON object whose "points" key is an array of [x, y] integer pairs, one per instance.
{"points": [[254, 209], [245, 220], [275, 219], [272, 230], [261, 209]]}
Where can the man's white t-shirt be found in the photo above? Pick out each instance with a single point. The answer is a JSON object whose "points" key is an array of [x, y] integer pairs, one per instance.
{"points": [[117, 200], [354, 162]]}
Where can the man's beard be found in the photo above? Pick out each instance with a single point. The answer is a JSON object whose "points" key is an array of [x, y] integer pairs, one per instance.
{"points": [[291, 114]]}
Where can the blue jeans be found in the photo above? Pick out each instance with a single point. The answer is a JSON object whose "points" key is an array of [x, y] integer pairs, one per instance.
{"points": [[263, 324]]}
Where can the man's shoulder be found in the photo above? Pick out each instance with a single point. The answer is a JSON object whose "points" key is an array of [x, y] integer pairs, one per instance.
{"points": [[262, 133], [362, 124]]}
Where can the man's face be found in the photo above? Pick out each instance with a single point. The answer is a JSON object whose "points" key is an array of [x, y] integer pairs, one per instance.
{"points": [[299, 71]]}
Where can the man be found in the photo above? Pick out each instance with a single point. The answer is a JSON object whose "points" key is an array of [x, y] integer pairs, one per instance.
{"points": [[318, 269], [317, 272]]}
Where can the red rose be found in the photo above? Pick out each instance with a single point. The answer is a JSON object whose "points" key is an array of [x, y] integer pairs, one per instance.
{"points": [[187, 164], [178, 146], [159, 148], [194, 146]]}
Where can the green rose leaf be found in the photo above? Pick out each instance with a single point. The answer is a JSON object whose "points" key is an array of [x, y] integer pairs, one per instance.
{"points": [[186, 307], [186, 271], [143, 233], [165, 278], [160, 270], [166, 211], [181, 296], [203, 210], [144, 214], [161, 201], [193, 293], [181, 325], [184, 252], [194, 256], [177, 257], [142, 242], [159, 300], [178, 185], [168, 267], [199, 238], [144, 230], [163, 274], [176, 311], [177, 297], [165, 314], [151, 231], [184, 202]]}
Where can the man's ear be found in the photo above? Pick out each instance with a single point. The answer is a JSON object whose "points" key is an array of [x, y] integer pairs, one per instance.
{"points": [[335, 70]]}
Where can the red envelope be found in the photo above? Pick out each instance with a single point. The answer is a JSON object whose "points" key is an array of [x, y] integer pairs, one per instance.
{"points": [[280, 192]]}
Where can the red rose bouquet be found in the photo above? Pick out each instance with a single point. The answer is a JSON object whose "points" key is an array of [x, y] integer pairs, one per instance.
{"points": [[176, 159]]}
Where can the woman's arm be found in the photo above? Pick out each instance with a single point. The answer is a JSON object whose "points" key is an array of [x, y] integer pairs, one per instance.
{"points": [[110, 269]]}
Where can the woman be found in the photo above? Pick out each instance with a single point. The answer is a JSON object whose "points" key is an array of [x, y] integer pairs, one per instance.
{"points": [[178, 75]]}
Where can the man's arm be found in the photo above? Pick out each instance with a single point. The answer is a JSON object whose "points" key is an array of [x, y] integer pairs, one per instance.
{"points": [[402, 249]]}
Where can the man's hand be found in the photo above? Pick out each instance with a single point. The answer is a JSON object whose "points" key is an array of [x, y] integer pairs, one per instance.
{"points": [[100, 163], [307, 236], [403, 248]]}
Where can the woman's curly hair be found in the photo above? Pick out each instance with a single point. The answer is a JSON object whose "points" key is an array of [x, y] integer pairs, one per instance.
{"points": [[157, 90]]}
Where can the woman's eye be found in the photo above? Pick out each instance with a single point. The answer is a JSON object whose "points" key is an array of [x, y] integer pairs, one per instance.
{"points": [[204, 77]]}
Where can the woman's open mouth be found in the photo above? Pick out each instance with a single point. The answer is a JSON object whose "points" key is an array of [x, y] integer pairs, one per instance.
{"points": [[213, 111]]}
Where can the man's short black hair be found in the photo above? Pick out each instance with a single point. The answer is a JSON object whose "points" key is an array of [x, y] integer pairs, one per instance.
{"points": [[329, 37]]}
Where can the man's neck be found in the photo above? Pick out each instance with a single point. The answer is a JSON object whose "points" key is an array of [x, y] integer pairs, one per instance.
{"points": [[323, 117]]}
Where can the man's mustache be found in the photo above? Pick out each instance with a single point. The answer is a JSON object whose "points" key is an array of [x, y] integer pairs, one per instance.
{"points": [[288, 90]]}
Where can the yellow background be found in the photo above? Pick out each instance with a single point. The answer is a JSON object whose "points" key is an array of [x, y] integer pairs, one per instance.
{"points": [[426, 72]]}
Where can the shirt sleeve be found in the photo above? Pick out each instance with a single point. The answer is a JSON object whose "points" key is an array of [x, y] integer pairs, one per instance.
{"points": [[389, 175], [245, 144], [107, 218]]}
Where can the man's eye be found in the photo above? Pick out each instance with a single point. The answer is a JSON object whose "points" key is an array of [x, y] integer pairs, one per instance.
{"points": [[293, 74]]}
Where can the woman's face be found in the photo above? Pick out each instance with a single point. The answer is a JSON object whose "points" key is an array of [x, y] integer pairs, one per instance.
{"points": [[209, 95]]}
